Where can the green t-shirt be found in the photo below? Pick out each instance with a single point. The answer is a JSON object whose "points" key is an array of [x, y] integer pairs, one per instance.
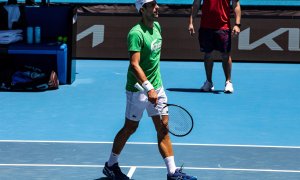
{"points": [[148, 42]]}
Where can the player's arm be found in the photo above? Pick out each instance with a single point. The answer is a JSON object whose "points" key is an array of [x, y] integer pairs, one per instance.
{"points": [[194, 12], [237, 13], [141, 77], [135, 64]]}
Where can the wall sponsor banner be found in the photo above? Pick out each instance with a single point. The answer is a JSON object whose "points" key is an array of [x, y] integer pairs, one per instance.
{"points": [[271, 39]]}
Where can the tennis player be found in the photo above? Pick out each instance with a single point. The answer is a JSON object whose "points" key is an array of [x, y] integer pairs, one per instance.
{"points": [[215, 34], [144, 46]]}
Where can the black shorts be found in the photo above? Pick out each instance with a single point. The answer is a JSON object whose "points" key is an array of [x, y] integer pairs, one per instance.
{"points": [[214, 39]]}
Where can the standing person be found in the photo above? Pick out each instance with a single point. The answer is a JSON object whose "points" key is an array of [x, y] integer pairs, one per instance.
{"points": [[215, 34], [144, 45]]}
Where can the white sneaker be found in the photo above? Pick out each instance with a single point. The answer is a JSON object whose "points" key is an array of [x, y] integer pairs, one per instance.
{"points": [[228, 87], [207, 86]]}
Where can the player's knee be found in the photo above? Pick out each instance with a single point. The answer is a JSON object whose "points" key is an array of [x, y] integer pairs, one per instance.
{"points": [[130, 127], [207, 56], [225, 56], [163, 135], [129, 130], [162, 132]]}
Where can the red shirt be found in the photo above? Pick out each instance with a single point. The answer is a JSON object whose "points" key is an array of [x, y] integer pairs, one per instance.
{"points": [[215, 14]]}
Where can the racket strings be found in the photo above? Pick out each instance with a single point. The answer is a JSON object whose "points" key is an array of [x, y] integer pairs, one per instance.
{"points": [[180, 122]]}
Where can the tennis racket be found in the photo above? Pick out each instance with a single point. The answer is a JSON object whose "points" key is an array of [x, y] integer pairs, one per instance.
{"points": [[180, 121]]}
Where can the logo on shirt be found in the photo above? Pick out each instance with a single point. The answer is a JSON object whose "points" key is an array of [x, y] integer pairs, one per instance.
{"points": [[155, 45]]}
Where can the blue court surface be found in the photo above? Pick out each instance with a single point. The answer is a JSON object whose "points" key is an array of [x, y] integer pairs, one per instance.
{"points": [[67, 133]]}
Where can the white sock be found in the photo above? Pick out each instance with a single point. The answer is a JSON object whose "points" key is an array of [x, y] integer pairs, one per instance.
{"points": [[170, 163], [112, 159]]}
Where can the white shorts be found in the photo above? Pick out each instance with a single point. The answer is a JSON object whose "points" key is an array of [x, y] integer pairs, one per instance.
{"points": [[137, 102]]}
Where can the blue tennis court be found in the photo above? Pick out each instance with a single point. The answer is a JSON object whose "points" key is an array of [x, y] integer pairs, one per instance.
{"points": [[68, 133]]}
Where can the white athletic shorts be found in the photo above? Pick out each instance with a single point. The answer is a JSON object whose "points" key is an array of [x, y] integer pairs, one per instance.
{"points": [[137, 102]]}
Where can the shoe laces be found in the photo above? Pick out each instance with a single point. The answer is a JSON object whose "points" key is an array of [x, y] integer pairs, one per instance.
{"points": [[117, 170], [180, 170]]}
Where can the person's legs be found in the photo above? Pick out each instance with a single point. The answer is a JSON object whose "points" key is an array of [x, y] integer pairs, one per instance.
{"points": [[136, 103], [166, 149], [227, 65], [206, 39], [120, 140], [123, 135], [111, 168], [164, 143], [163, 137], [208, 64], [222, 39], [158, 114], [223, 44]]}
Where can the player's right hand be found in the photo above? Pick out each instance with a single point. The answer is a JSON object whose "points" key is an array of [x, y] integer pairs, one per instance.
{"points": [[153, 97], [191, 29]]}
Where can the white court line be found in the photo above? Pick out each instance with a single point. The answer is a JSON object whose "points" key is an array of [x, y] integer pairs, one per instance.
{"points": [[131, 171], [133, 168], [150, 143]]}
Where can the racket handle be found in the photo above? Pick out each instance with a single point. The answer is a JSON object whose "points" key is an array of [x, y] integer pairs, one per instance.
{"points": [[139, 87]]}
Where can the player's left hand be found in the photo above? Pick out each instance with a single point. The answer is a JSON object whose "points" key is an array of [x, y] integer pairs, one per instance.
{"points": [[235, 31]]}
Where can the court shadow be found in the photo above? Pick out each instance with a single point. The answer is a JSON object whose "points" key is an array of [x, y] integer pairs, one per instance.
{"points": [[191, 90]]}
